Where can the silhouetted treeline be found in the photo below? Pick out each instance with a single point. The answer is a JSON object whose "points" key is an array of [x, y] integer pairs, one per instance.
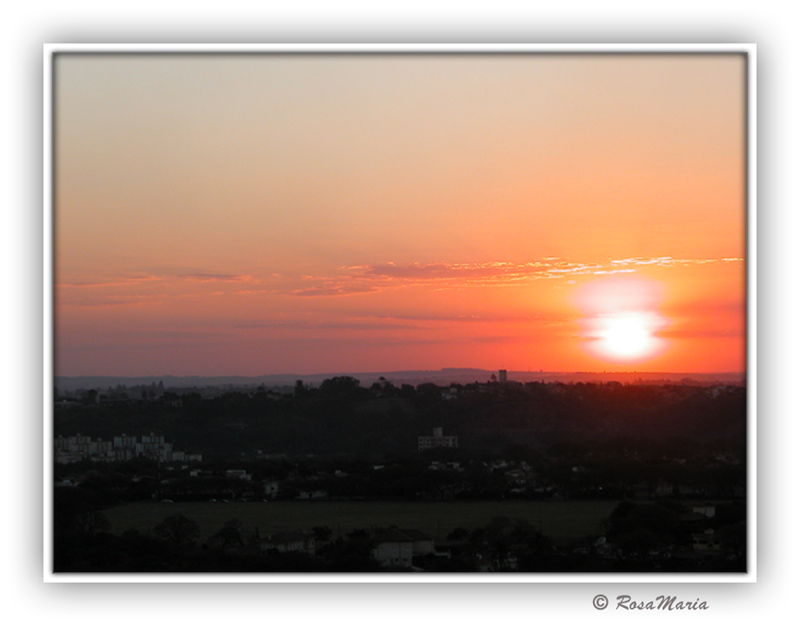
{"points": [[341, 417]]}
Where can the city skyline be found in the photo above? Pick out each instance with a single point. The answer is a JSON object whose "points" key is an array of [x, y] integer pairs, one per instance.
{"points": [[264, 214]]}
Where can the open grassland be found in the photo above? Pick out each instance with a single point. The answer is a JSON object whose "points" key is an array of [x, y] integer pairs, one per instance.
{"points": [[560, 521]]}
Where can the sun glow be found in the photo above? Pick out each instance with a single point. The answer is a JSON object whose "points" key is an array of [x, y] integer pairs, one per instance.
{"points": [[622, 322], [627, 336]]}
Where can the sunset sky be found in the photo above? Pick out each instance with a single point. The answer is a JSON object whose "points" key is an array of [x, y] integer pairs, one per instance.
{"points": [[265, 214]]}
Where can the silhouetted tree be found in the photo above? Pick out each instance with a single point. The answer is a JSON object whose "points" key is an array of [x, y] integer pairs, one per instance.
{"points": [[322, 533], [340, 386], [177, 529], [229, 535]]}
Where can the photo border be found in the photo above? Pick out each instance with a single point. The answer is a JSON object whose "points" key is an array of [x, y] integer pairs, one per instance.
{"points": [[50, 51]]}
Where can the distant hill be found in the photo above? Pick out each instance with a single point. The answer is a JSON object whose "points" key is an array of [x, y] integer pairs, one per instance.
{"points": [[444, 376]]}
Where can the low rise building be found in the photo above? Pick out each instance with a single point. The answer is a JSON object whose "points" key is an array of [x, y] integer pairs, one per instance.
{"points": [[396, 547], [438, 440], [707, 541]]}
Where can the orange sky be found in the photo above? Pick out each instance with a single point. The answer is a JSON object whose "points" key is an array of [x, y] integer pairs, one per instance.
{"points": [[301, 214]]}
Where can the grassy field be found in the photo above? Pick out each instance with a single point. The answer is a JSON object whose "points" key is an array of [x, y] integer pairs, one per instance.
{"points": [[561, 521]]}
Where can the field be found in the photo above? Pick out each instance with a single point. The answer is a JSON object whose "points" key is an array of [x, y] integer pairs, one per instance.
{"points": [[560, 521]]}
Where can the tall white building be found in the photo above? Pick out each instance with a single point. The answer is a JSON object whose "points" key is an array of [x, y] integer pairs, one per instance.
{"points": [[438, 440]]}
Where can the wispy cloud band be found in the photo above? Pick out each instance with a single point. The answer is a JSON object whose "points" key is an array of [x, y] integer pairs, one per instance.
{"points": [[370, 278], [352, 280]]}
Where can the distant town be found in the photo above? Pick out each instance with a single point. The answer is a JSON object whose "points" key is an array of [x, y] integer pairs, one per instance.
{"points": [[499, 475], [122, 448]]}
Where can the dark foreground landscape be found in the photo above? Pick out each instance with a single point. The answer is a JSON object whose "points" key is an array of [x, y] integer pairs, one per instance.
{"points": [[482, 477]]}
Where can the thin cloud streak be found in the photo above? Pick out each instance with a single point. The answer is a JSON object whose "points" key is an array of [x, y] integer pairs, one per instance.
{"points": [[128, 281], [334, 290], [372, 278]]}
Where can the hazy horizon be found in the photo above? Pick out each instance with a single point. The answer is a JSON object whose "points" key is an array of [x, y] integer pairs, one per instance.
{"points": [[442, 377]]}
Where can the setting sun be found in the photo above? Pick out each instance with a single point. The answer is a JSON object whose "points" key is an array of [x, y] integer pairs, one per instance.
{"points": [[628, 336], [622, 318]]}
